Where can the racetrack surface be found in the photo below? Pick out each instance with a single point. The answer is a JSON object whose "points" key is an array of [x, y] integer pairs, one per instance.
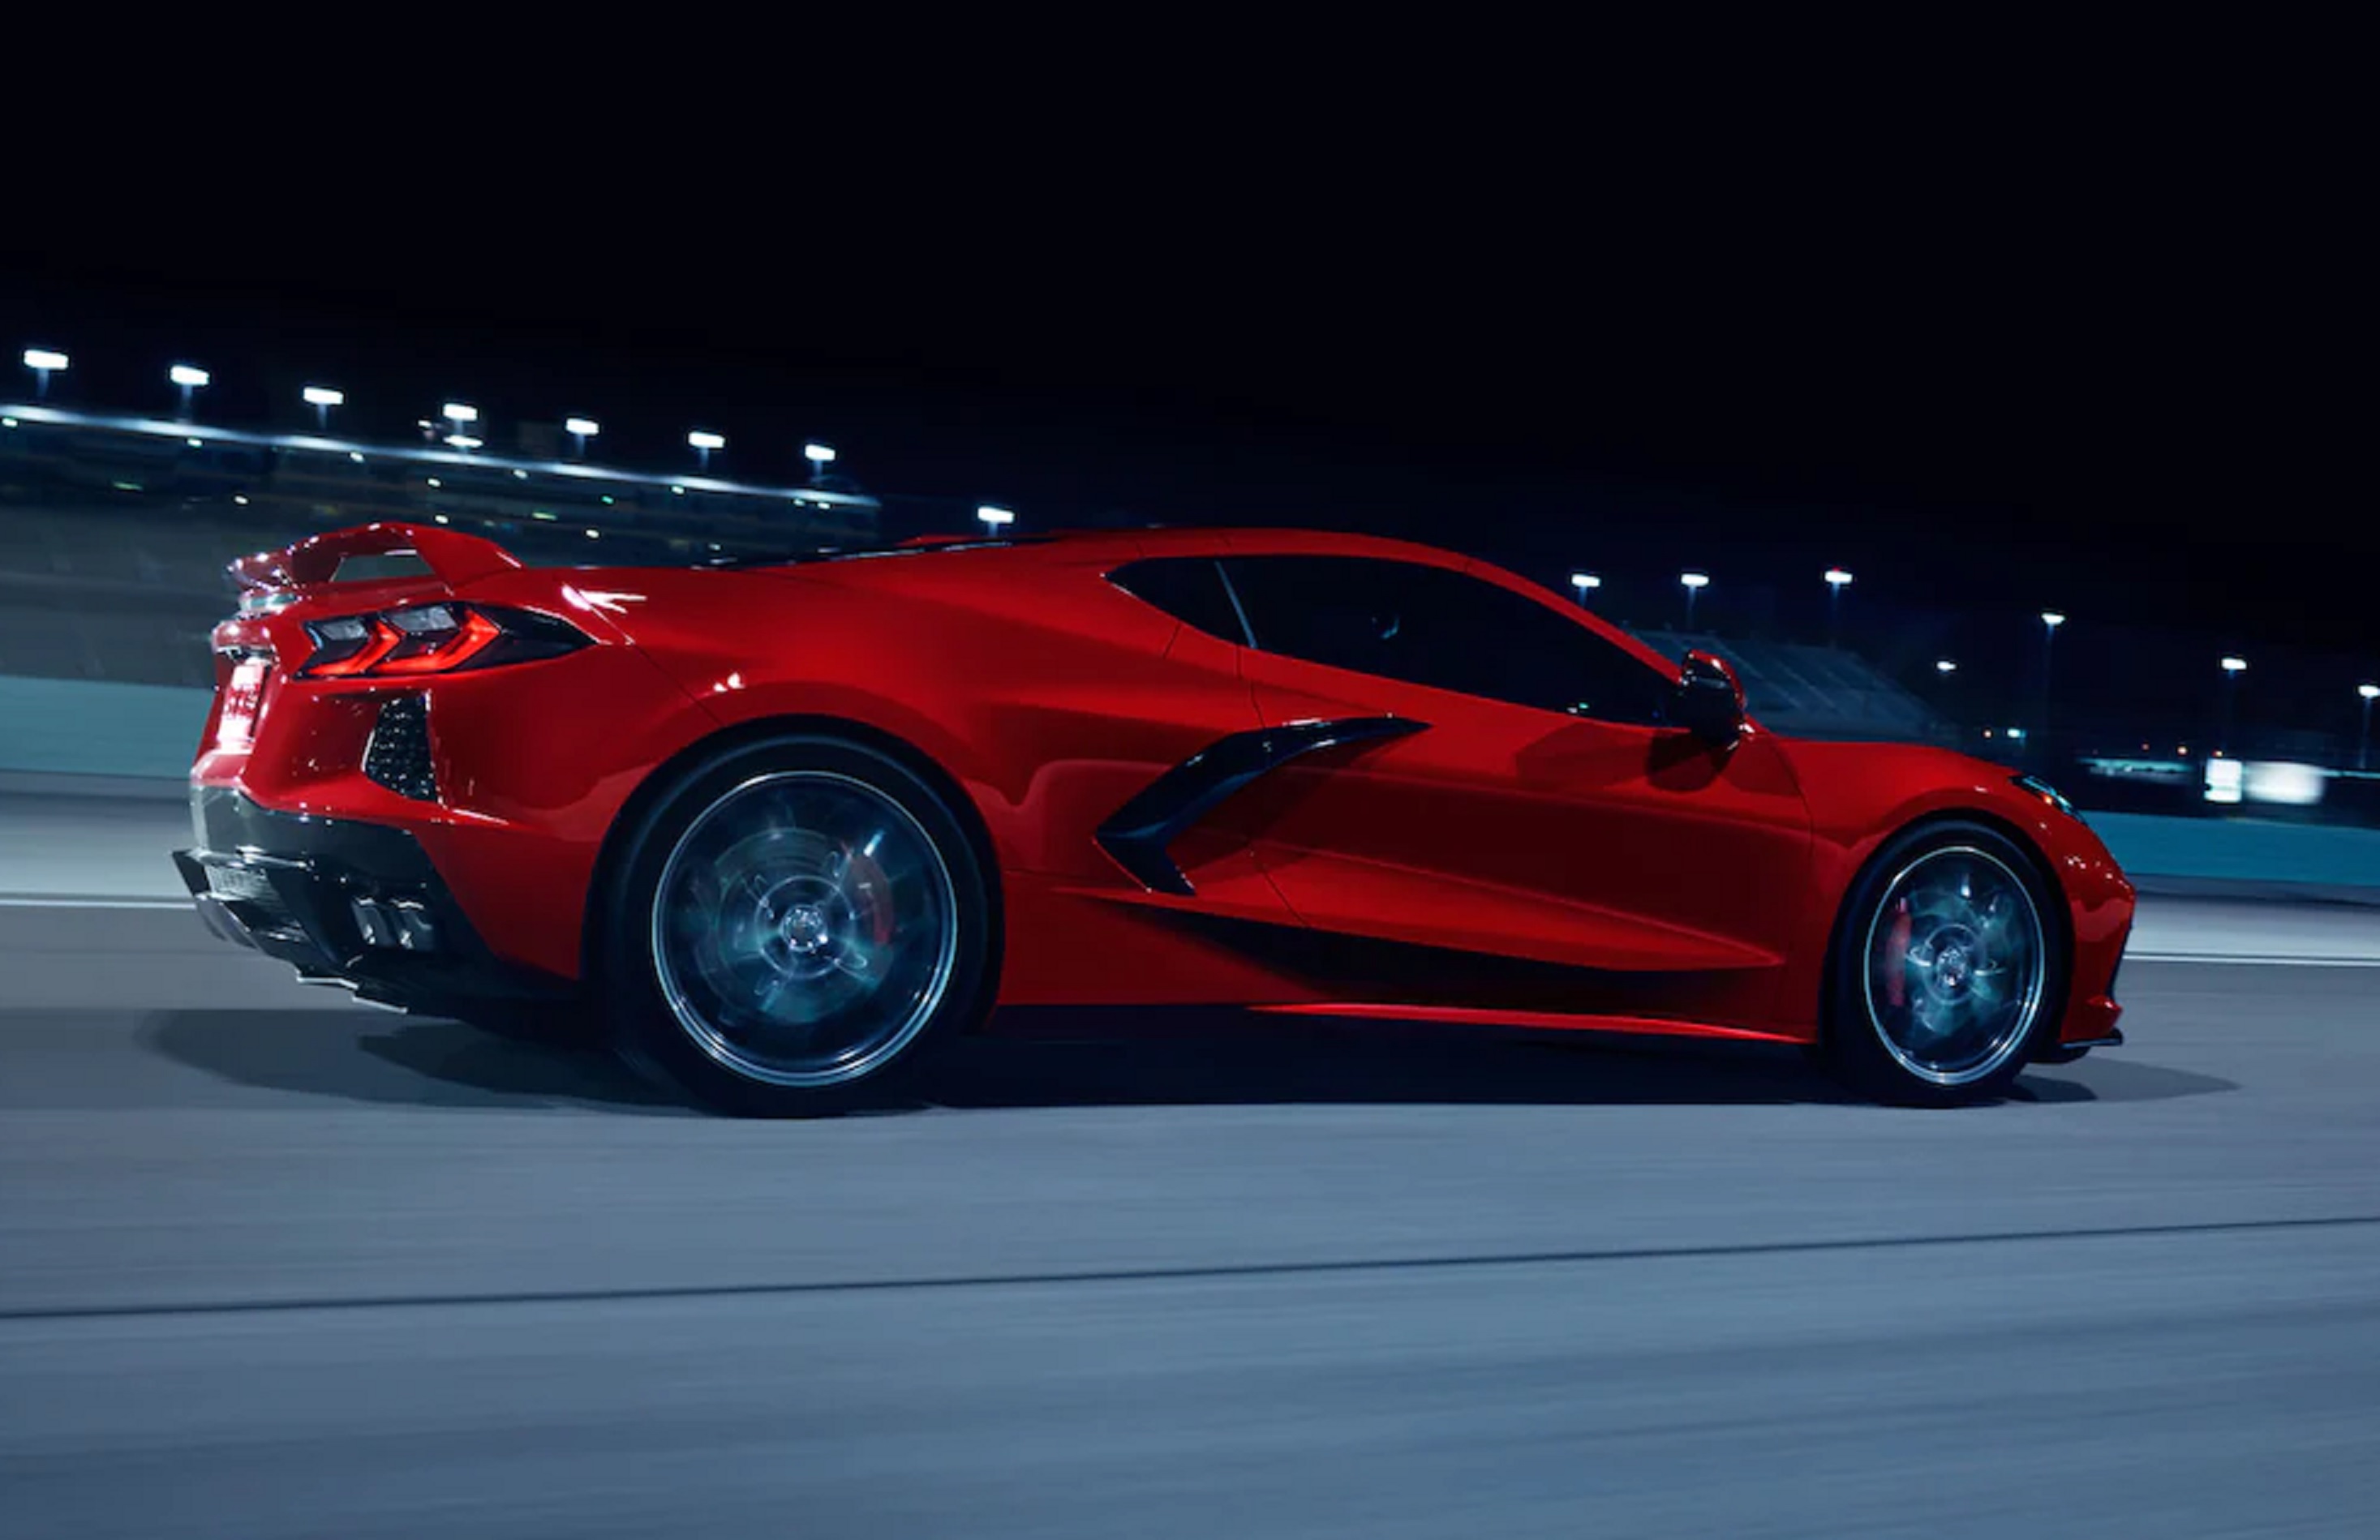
{"points": [[281, 1265]]}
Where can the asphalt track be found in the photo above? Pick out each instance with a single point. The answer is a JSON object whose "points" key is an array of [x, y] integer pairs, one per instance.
{"points": [[275, 1265]]}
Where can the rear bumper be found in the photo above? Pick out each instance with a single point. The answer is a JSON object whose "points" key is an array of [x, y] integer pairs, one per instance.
{"points": [[360, 904]]}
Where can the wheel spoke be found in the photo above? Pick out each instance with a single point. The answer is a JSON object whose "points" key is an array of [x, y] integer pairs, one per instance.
{"points": [[1961, 928], [804, 929]]}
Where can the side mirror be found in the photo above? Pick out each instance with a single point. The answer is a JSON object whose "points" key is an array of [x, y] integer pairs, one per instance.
{"points": [[1709, 701]]}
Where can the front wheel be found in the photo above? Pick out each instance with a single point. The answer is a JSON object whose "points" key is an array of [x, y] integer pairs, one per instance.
{"points": [[794, 923], [1949, 968]]}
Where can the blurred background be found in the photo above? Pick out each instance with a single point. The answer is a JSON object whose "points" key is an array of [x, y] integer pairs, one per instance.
{"points": [[2000, 384], [1968, 573]]}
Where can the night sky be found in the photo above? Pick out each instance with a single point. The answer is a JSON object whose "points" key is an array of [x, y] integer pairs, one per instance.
{"points": [[2105, 371]]}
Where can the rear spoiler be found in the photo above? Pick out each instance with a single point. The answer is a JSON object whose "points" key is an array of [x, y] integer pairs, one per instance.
{"points": [[456, 557]]}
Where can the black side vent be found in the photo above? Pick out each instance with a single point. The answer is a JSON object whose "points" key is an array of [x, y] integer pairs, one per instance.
{"points": [[398, 755]]}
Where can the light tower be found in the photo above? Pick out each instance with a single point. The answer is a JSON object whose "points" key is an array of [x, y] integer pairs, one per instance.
{"points": [[188, 378], [44, 362], [323, 398], [1838, 579], [1694, 583], [2233, 668], [2050, 620], [1585, 583]]}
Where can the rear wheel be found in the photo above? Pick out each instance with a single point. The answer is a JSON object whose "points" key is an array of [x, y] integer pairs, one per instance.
{"points": [[1948, 968], [795, 924]]}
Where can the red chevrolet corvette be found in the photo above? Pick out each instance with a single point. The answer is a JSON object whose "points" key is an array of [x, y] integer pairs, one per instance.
{"points": [[782, 825]]}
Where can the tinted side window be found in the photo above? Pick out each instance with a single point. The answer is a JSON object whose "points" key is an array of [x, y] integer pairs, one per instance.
{"points": [[1188, 589], [1429, 626]]}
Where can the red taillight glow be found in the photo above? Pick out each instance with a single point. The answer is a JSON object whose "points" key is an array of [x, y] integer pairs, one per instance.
{"points": [[242, 695], [447, 650], [432, 639], [380, 641]]}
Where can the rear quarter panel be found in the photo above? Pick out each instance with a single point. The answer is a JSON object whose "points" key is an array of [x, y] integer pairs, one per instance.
{"points": [[1049, 696]]}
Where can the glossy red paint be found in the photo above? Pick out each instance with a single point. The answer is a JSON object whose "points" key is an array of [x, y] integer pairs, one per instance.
{"points": [[1526, 866], [1540, 1021], [1861, 795]]}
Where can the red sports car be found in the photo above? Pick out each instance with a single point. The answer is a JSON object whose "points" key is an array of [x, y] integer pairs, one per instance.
{"points": [[781, 825]]}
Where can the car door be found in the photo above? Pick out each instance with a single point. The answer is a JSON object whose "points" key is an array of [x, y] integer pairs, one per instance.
{"points": [[1546, 811]]}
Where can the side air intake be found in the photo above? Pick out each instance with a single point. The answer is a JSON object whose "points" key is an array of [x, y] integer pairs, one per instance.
{"points": [[398, 755], [1136, 836]]}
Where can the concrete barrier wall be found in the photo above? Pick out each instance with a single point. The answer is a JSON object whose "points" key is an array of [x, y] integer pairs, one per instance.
{"points": [[2242, 849], [75, 728], [83, 727]]}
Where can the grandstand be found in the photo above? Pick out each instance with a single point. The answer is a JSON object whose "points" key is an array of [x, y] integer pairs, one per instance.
{"points": [[114, 533], [1816, 692]]}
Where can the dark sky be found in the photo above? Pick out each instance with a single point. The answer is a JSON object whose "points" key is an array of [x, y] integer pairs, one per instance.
{"points": [[2112, 366]]}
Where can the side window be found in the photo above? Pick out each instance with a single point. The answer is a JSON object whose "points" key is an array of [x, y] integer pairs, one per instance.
{"points": [[1188, 589], [1434, 627]]}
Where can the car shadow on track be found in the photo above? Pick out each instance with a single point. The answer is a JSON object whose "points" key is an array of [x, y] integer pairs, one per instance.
{"points": [[1152, 1059], [370, 1056], [1221, 1057]]}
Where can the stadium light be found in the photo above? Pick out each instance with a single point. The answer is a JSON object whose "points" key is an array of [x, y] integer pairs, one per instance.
{"points": [[44, 362], [186, 378], [819, 455], [1694, 583], [459, 413], [1838, 579], [581, 430], [704, 442], [993, 518], [1944, 665], [2233, 668], [2050, 620], [323, 398], [2363, 742], [1584, 582]]}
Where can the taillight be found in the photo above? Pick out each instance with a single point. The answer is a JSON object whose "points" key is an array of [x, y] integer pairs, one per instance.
{"points": [[434, 638]]}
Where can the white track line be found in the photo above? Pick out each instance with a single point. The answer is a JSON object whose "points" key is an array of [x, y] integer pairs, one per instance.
{"points": [[2252, 961], [11, 902]]}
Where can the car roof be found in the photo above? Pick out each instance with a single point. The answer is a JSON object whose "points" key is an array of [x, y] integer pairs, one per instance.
{"points": [[1070, 546]]}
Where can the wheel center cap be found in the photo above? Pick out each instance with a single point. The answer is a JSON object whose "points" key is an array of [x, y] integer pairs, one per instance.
{"points": [[1953, 968], [803, 930]]}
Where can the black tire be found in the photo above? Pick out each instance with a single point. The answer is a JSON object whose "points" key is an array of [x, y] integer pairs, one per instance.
{"points": [[672, 965], [1910, 1019]]}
